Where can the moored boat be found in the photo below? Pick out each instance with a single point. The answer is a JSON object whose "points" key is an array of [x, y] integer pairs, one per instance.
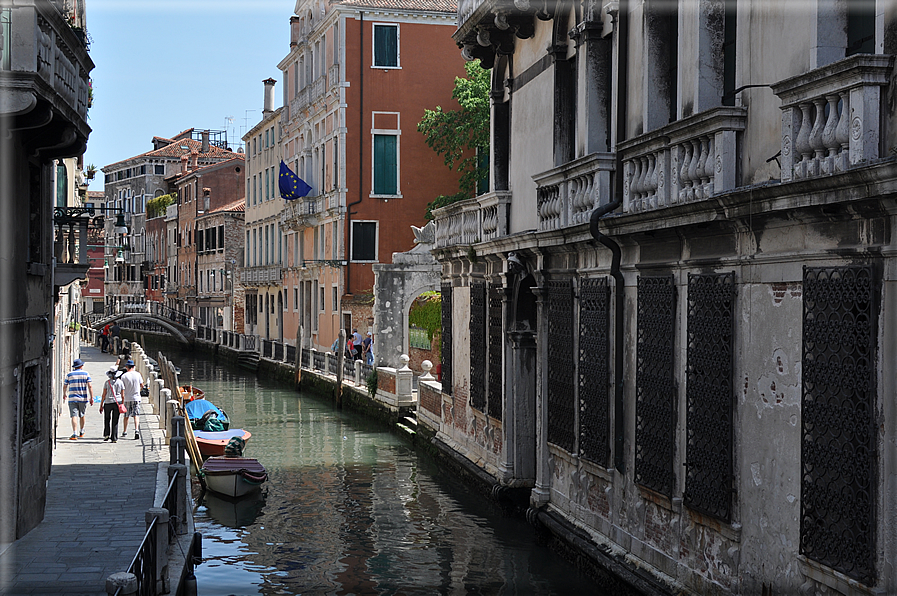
{"points": [[233, 476], [206, 416], [212, 444], [190, 393]]}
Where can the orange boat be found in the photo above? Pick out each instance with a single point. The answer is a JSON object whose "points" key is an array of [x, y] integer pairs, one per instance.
{"points": [[213, 443], [189, 393]]}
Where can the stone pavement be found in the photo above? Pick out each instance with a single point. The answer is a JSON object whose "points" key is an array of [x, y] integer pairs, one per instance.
{"points": [[97, 497]]}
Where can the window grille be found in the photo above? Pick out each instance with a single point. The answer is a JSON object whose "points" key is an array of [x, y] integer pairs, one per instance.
{"points": [[838, 428], [655, 406], [594, 376], [709, 394], [561, 407], [478, 345], [30, 403], [446, 355], [496, 295]]}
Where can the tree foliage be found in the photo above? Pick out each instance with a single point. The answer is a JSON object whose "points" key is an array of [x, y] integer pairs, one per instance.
{"points": [[157, 207], [458, 135]]}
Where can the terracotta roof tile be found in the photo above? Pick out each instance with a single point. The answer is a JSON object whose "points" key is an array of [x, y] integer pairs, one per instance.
{"points": [[434, 5], [178, 148], [235, 206]]}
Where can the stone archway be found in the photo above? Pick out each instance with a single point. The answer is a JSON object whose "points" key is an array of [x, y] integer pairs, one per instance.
{"points": [[395, 287]]}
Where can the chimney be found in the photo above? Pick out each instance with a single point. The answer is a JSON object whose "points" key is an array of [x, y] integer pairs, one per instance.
{"points": [[206, 198], [295, 30], [184, 168], [194, 159], [205, 141], [269, 96]]}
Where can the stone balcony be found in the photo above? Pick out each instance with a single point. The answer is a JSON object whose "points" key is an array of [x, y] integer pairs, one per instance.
{"points": [[480, 219], [831, 116], [689, 160], [566, 195], [44, 78], [264, 274], [303, 213], [333, 76]]}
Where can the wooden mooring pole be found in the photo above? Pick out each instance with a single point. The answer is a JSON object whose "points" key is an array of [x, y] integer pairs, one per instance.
{"points": [[340, 354]]}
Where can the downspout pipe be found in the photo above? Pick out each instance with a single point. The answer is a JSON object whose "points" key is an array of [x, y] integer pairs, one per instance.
{"points": [[610, 244], [348, 231]]}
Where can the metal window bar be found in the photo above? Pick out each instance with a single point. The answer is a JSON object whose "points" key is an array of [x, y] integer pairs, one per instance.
{"points": [[495, 351], [594, 370], [839, 428], [446, 355], [709, 394], [561, 407], [478, 346], [656, 412]]}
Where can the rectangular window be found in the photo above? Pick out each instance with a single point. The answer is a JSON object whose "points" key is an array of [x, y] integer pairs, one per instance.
{"points": [[220, 237], [364, 241], [159, 170], [386, 165], [386, 46], [296, 298], [335, 299], [321, 298]]}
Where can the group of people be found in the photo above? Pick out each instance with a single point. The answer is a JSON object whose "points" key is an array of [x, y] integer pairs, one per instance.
{"points": [[357, 348], [121, 395]]}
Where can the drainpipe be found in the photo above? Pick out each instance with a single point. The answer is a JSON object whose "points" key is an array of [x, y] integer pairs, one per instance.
{"points": [[360, 151], [610, 244]]}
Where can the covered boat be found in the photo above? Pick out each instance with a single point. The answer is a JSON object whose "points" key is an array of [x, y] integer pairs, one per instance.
{"points": [[206, 416], [213, 443], [233, 476]]}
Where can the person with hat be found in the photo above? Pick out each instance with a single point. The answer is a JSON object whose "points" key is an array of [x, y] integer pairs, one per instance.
{"points": [[77, 389], [132, 382], [112, 397], [367, 349]]}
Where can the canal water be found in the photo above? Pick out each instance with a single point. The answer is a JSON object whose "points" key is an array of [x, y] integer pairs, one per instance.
{"points": [[352, 508]]}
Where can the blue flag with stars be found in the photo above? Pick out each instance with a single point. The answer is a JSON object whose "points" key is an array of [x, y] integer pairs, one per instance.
{"points": [[291, 186]]}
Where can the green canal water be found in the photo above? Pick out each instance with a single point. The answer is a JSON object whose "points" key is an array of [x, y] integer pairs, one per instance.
{"points": [[352, 508]]}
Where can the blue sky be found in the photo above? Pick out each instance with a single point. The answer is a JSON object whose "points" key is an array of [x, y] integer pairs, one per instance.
{"points": [[163, 66]]}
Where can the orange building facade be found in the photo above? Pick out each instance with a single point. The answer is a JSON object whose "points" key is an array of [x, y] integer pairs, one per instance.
{"points": [[356, 83]]}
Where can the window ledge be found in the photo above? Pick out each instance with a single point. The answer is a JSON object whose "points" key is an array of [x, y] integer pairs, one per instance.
{"points": [[373, 196]]}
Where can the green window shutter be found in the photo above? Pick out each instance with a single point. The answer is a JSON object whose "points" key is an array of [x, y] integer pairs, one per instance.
{"points": [[364, 241], [385, 165], [386, 45]]}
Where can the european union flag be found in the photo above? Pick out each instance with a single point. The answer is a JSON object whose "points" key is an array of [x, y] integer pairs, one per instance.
{"points": [[291, 186]]}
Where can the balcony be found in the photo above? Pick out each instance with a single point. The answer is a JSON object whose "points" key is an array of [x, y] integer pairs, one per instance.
{"points": [[317, 89], [566, 195], [689, 160], [481, 219], [333, 76], [265, 274], [44, 74], [831, 116], [302, 213], [124, 288]]}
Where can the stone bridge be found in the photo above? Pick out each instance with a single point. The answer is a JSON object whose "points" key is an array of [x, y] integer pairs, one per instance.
{"points": [[182, 333]]}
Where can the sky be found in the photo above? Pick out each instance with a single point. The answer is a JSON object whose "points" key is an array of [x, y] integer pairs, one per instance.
{"points": [[163, 66]]}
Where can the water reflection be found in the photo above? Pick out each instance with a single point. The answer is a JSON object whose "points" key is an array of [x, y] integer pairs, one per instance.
{"points": [[351, 509]]}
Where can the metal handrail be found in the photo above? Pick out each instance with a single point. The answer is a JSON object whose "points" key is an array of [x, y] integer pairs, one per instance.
{"points": [[144, 562], [170, 502]]}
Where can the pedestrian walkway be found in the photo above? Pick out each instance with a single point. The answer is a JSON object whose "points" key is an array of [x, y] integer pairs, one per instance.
{"points": [[97, 497]]}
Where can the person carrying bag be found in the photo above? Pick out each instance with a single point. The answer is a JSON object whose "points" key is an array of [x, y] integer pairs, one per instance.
{"points": [[112, 405]]}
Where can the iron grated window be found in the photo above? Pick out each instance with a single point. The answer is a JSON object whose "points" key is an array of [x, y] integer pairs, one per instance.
{"points": [[496, 295], [838, 430], [446, 353], [561, 407], [30, 403], [709, 394], [594, 374], [478, 345], [655, 401]]}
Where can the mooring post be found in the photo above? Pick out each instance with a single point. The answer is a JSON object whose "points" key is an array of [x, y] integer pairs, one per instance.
{"points": [[298, 355], [340, 354]]}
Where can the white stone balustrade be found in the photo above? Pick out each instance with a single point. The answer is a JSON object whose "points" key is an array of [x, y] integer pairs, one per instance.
{"points": [[475, 220], [566, 195], [688, 160], [831, 116]]}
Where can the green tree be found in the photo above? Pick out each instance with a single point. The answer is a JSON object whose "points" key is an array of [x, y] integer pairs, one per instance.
{"points": [[461, 135], [157, 207]]}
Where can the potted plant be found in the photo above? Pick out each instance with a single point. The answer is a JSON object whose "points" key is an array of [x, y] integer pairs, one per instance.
{"points": [[90, 172]]}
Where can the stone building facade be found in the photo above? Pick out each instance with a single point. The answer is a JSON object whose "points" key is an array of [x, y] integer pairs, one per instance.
{"points": [[355, 86], [671, 319], [44, 86], [219, 255]]}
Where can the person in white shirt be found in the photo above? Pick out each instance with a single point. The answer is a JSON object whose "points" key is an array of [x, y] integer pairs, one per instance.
{"points": [[133, 383], [112, 396]]}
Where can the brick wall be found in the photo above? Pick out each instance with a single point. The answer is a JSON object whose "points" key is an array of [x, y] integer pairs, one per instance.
{"points": [[430, 399]]}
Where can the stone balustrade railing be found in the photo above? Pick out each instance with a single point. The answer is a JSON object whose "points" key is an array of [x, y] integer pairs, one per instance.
{"points": [[688, 160], [566, 195], [466, 8], [480, 219], [831, 116], [333, 75], [316, 89], [262, 274], [303, 213]]}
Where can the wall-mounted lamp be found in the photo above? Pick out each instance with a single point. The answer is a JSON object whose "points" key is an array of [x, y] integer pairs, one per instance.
{"points": [[120, 225]]}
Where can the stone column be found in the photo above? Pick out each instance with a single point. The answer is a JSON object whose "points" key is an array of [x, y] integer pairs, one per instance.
{"points": [[518, 465], [541, 493]]}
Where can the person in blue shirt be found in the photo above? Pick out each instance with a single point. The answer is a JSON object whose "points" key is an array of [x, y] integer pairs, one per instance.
{"points": [[77, 389]]}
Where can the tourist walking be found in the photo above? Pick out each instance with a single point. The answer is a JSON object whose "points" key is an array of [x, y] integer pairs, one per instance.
{"points": [[133, 383], [104, 338], [113, 396], [77, 389], [356, 343]]}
